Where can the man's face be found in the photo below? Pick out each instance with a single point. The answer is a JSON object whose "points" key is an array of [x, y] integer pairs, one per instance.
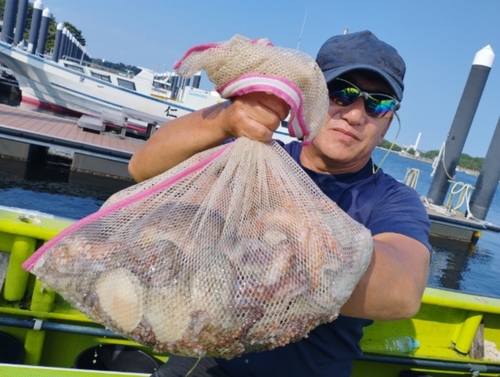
{"points": [[349, 135]]}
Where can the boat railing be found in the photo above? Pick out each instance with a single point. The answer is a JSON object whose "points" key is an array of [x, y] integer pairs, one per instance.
{"points": [[76, 61], [159, 90]]}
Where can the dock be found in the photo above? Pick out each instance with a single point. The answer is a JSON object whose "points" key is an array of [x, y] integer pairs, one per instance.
{"points": [[26, 135], [455, 225]]}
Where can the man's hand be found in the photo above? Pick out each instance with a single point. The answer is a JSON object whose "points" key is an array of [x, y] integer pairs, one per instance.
{"points": [[255, 115]]}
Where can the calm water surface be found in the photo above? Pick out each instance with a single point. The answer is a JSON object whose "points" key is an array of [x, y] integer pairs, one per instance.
{"points": [[50, 187], [455, 266]]}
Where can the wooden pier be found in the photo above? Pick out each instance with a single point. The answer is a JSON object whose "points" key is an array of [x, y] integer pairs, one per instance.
{"points": [[24, 134]]}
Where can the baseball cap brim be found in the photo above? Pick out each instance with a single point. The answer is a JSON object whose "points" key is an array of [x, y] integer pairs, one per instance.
{"points": [[338, 71]]}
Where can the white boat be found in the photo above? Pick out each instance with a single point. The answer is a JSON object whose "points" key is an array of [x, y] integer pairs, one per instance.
{"points": [[92, 90], [95, 90]]}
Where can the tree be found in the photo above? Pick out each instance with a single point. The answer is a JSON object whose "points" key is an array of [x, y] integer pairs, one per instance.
{"points": [[430, 154], [465, 161], [76, 33], [387, 145]]}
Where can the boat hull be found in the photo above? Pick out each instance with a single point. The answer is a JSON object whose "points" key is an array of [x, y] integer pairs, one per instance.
{"points": [[46, 82], [449, 324]]}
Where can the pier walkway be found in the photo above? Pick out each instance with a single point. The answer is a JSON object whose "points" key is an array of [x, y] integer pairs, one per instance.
{"points": [[24, 134]]}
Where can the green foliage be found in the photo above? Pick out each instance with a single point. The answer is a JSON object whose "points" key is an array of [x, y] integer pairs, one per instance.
{"points": [[468, 162], [387, 145], [120, 67], [430, 154], [465, 161]]}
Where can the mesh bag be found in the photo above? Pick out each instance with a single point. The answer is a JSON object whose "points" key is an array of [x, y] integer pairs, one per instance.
{"points": [[234, 250], [241, 65]]}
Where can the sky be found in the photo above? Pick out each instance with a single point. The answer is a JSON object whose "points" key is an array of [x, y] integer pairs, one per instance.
{"points": [[437, 38]]}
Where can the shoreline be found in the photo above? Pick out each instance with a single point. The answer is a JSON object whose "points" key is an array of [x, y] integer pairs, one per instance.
{"points": [[429, 161]]}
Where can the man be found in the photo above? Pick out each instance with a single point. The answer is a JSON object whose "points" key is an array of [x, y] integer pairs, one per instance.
{"points": [[365, 81]]}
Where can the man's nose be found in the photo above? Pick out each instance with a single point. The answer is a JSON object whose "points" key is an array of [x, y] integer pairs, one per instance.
{"points": [[355, 112]]}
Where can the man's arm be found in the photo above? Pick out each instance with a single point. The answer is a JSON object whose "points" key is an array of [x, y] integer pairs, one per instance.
{"points": [[394, 282], [255, 115]]}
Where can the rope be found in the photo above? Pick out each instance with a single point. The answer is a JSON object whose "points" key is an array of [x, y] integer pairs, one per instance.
{"points": [[440, 209], [194, 367], [411, 177], [390, 148], [444, 166], [435, 163], [436, 160], [464, 189]]}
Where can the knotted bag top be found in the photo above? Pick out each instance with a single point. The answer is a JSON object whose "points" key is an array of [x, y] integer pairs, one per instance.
{"points": [[243, 65]]}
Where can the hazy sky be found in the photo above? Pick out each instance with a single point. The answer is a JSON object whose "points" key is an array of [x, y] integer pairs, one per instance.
{"points": [[437, 38]]}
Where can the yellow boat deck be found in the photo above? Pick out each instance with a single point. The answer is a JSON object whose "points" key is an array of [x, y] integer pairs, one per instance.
{"points": [[450, 326]]}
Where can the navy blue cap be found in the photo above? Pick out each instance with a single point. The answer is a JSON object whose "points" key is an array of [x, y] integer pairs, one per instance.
{"points": [[362, 50]]}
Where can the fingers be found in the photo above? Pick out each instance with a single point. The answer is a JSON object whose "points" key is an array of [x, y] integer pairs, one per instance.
{"points": [[257, 115], [273, 104]]}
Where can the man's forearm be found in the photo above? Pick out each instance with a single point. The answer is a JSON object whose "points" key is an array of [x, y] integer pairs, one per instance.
{"points": [[175, 142], [394, 282]]}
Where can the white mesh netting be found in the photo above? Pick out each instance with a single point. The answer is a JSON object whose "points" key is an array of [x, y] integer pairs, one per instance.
{"points": [[213, 265], [227, 61], [235, 250]]}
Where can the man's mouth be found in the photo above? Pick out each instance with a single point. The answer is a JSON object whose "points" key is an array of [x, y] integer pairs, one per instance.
{"points": [[346, 133]]}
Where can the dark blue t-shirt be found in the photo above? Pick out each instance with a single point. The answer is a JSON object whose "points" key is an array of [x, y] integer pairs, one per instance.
{"points": [[381, 204]]}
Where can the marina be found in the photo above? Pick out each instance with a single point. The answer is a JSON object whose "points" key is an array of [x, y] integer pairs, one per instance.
{"points": [[456, 331], [101, 150], [451, 325], [25, 135], [68, 81]]}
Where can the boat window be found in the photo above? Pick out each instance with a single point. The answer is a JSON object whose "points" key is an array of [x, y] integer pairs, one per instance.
{"points": [[159, 85], [284, 123], [126, 84], [100, 76], [74, 67]]}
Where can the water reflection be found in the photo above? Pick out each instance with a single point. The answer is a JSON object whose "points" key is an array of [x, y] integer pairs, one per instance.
{"points": [[456, 265], [48, 185], [447, 266]]}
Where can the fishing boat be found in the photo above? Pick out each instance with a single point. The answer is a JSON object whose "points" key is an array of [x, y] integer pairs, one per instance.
{"points": [[42, 335], [97, 93], [82, 87], [458, 334]]}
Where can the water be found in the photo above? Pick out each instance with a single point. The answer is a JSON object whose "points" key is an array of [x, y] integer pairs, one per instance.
{"points": [[455, 265], [51, 188]]}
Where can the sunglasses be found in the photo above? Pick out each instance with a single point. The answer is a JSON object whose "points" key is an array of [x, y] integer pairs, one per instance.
{"points": [[377, 105]]}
